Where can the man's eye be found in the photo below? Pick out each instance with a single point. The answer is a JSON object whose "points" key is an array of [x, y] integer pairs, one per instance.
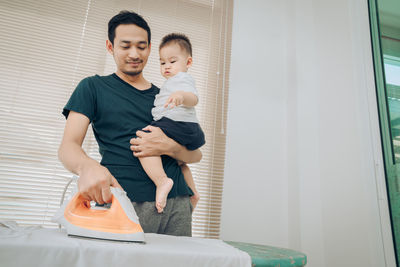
{"points": [[172, 62], [124, 47], [162, 63], [142, 47]]}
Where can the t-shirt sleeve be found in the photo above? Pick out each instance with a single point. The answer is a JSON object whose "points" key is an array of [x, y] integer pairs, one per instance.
{"points": [[82, 100], [183, 82]]}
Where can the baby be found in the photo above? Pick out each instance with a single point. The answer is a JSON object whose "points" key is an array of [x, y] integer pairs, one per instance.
{"points": [[174, 113]]}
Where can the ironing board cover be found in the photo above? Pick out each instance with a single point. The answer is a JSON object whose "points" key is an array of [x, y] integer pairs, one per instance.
{"points": [[20, 246]]}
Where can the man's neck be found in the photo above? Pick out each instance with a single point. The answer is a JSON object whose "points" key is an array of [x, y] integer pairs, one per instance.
{"points": [[137, 81]]}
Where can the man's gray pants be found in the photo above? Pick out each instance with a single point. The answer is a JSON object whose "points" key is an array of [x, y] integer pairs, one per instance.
{"points": [[175, 220]]}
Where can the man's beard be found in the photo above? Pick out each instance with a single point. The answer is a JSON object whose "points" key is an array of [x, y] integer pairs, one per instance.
{"points": [[132, 73]]}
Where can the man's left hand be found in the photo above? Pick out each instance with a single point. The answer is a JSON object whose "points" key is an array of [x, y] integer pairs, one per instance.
{"points": [[153, 142]]}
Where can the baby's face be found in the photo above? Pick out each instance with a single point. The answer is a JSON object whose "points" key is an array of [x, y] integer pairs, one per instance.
{"points": [[173, 60]]}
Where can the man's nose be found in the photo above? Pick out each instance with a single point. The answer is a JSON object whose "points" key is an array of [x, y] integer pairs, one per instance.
{"points": [[133, 53]]}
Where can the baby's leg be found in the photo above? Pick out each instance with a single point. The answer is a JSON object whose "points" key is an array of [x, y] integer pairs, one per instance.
{"points": [[154, 169], [190, 182]]}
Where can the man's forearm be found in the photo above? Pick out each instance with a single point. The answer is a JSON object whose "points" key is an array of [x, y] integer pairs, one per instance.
{"points": [[74, 158], [154, 142], [181, 153]]}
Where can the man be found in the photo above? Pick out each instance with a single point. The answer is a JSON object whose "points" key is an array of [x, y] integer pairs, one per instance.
{"points": [[118, 106]]}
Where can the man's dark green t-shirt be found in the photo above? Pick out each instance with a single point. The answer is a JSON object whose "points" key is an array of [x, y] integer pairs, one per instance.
{"points": [[116, 111]]}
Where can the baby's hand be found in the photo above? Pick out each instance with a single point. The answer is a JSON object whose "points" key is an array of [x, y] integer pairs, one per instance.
{"points": [[174, 100]]}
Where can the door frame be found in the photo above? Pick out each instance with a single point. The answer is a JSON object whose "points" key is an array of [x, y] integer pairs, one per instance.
{"points": [[384, 156]]}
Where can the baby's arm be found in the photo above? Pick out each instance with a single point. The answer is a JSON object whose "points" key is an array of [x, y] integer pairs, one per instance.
{"points": [[177, 98]]}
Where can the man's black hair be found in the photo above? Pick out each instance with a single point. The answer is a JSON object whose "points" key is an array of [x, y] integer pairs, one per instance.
{"points": [[177, 38], [127, 17]]}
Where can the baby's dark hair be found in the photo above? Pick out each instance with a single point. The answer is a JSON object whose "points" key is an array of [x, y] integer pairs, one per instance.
{"points": [[177, 38]]}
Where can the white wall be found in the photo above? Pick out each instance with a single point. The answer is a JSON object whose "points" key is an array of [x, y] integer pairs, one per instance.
{"points": [[255, 156], [303, 164]]}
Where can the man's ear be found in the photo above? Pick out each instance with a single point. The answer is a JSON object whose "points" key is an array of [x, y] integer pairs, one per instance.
{"points": [[109, 47], [189, 62]]}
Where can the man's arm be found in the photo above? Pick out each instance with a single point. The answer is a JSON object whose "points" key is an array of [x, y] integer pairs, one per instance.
{"points": [[156, 143], [94, 180]]}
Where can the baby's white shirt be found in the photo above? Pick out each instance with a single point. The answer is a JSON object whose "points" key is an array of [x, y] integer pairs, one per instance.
{"points": [[182, 81]]}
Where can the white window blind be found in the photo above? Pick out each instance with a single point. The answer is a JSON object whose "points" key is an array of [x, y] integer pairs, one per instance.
{"points": [[50, 45]]}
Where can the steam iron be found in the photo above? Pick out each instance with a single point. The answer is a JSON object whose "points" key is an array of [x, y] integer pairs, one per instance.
{"points": [[118, 222]]}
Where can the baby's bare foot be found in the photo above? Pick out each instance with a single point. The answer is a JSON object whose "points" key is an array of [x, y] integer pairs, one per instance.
{"points": [[162, 193]]}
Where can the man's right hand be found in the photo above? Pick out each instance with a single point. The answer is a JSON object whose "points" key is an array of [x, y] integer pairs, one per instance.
{"points": [[95, 181]]}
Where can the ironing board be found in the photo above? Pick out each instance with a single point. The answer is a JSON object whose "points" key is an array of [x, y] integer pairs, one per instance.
{"points": [[36, 246], [267, 256]]}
